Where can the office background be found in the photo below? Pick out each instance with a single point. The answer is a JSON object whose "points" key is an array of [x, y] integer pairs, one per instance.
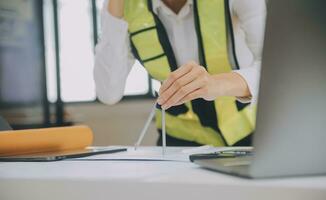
{"points": [[50, 83]]}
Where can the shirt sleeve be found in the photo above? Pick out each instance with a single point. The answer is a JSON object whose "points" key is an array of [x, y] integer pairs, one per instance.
{"points": [[113, 58], [251, 15]]}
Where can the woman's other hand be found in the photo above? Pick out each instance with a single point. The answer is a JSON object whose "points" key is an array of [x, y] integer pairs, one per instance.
{"points": [[116, 7]]}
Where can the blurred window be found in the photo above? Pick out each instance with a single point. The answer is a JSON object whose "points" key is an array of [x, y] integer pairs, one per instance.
{"points": [[76, 45]]}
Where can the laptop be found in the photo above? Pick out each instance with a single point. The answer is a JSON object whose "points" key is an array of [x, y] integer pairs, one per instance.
{"points": [[290, 136]]}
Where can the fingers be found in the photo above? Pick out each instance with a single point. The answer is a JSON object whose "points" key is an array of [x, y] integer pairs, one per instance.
{"points": [[177, 85], [182, 83], [175, 76], [183, 92], [191, 96]]}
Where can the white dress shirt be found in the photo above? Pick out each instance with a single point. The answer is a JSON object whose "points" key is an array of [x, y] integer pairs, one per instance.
{"points": [[114, 60]]}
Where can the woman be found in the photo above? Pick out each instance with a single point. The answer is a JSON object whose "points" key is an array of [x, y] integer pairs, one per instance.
{"points": [[206, 53]]}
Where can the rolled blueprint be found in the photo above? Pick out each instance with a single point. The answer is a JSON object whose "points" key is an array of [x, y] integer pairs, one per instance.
{"points": [[42, 140]]}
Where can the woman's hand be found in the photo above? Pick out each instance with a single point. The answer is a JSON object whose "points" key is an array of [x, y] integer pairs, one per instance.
{"points": [[116, 8], [192, 81]]}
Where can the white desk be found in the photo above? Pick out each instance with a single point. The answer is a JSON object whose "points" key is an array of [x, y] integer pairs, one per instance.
{"points": [[152, 180]]}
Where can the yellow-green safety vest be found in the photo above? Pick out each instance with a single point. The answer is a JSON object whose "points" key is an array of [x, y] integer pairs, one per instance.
{"points": [[224, 121]]}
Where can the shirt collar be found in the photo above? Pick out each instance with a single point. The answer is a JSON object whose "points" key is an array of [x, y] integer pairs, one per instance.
{"points": [[158, 4]]}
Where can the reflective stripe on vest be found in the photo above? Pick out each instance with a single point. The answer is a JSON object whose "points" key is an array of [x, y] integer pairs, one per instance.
{"points": [[218, 122]]}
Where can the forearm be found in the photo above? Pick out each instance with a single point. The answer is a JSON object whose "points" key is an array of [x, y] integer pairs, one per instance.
{"points": [[113, 59], [110, 75]]}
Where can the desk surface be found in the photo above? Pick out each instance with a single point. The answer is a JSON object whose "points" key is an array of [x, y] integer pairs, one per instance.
{"points": [[143, 180]]}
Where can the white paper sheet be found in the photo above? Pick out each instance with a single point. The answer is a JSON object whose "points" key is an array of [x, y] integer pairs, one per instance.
{"points": [[155, 153]]}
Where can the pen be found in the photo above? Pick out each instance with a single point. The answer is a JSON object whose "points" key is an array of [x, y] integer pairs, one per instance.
{"points": [[236, 153]]}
